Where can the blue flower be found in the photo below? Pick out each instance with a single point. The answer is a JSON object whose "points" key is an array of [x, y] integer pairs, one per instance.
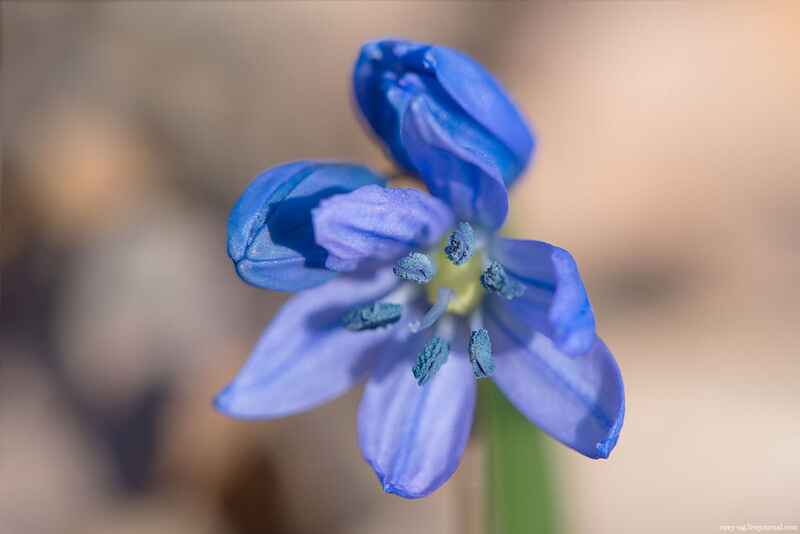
{"points": [[443, 117], [403, 292]]}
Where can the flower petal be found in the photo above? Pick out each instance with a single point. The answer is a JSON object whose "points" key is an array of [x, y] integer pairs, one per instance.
{"points": [[476, 90], [458, 165], [412, 436], [460, 86], [374, 223], [578, 401], [441, 115], [375, 76], [555, 302], [305, 356], [270, 235]]}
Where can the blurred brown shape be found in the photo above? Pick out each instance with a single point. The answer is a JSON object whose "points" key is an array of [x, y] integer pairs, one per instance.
{"points": [[84, 171]]}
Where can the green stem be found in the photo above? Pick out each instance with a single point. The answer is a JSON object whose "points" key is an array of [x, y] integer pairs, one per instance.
{"points": [[520, 497]]}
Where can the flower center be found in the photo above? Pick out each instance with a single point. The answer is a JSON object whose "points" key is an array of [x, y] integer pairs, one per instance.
{"points": [[455, 281], [464, 280]]}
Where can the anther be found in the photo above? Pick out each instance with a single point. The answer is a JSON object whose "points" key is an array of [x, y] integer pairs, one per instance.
{"points": [[430, 360], [443, 297], [480, 353], [496, 280], [372, 316], [416, 267], [461, 244]]}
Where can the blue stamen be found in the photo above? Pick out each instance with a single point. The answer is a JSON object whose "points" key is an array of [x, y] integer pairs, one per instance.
{"points": [[495, 279], [372, 316], [461, 244], [443, 298], [480, 353], [416, 267], [430, 360]]}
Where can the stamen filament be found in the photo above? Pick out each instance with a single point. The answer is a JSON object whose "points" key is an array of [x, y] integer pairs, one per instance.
{"points": [[403, 293], [443, 297], [476, 320], [446, 328]]}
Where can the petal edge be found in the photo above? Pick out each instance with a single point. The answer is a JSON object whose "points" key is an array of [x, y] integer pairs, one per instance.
{"points": [[305, 356], [578, 401], [413, 437]]}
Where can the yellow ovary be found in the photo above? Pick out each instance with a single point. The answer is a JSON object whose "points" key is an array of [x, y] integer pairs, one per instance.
{"points": [[463, 280]]}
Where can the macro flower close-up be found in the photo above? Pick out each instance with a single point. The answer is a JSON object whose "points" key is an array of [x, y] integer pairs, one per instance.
{"points": [[414, 292], [399, 267]]}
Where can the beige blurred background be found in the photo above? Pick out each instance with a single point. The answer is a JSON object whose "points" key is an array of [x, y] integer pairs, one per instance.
{"points": [[668, 163]]}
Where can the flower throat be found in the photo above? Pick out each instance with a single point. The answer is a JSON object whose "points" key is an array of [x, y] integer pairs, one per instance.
{"points": [[463, 280]]}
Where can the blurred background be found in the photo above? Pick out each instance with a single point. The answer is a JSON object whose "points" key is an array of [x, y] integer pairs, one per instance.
{"points": [[668, 162]]}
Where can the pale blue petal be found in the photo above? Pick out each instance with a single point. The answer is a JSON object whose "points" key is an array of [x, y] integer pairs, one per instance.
{"points": [[270, 235], [414, 436], [375, 223], [578, 401], [305, 356], [555, 301]]}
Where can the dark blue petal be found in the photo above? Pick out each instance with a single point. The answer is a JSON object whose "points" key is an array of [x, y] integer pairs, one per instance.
{"points": [[455, 163], [555, 301], [305, 356], [578, 401], [270, 232], [375, 86], [374, 223], [412, 436], [481, 119], [478, 92]]}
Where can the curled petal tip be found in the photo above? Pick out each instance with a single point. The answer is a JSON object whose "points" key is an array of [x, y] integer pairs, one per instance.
{"points": [[605, 447], [603, 450], [403, 492], [230, 403], [224, 401], [371, 50]]}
